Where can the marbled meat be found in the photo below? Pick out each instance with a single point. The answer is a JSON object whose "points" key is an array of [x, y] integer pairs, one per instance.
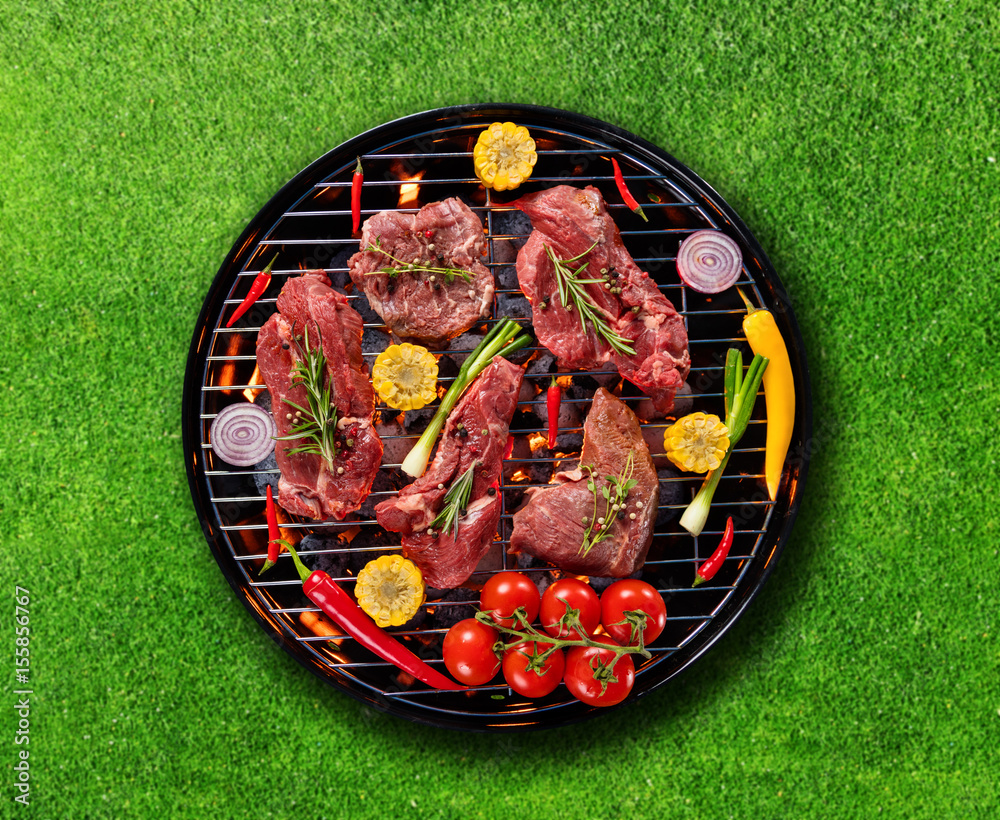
{"points": [[308, 486], [570, 220], [417, 305], [554, 522], [475, 432]]}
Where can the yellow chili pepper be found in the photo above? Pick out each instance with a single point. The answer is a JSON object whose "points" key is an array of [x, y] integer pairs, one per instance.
{"points": [[779, 389]]}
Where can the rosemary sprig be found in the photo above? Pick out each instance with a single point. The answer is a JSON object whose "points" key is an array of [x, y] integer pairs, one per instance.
{"points": [[456, 500], [573, 294], [615, 493], [414, 267], [316, 425]]}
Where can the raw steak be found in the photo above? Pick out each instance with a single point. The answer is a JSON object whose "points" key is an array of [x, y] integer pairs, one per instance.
{"points": [[417, 305], [483, 414], [307, 485], [570, 220], [551, 525]]}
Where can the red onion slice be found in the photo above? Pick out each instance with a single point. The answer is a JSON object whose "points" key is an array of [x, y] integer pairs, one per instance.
{"points": [[243, 434], [709, 261]]}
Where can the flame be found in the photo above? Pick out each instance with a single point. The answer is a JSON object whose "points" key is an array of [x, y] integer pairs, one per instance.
{"points": [[250, 394], [225, 376], [346, 536], [537, 441], [409, 191], [519, 476], [319, 624]]}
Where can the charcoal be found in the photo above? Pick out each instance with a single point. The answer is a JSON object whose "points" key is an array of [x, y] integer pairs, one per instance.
{"points": [[263, 400], [542, 365], [374, 341], [415, 622], [671, 493], [385, 482], [569, 442], [368, 545], [338, 275], [683, 401], [506, 275], [513, 305], [512, 223], [458, 604], [416, 420], [369, 316], [525, 420], [266, 472], [332, 563]]}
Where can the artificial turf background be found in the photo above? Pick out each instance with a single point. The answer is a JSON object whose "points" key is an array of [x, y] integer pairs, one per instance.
{"points": [[858, 141]]}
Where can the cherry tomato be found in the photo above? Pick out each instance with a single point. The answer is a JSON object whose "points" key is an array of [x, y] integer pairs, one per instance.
{"points": [[505, 592], [587, 665], [580, 598], [632, 595], [469, 654], [532, 683]]}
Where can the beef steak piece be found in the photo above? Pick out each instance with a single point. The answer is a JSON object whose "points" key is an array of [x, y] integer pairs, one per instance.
{"points": [[416, 305], [474, 433], [569, 221], [308, 486], [553, 524]]}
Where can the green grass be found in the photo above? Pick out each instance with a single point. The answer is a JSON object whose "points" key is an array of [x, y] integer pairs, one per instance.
{"points": [[860, 146]]}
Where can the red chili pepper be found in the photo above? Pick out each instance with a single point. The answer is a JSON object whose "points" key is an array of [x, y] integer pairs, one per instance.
{"points": [[553, 398], [323, 591], [260, 283], [273, 534], [707, 570], [356, 181], [509, 448], [624, 191]]}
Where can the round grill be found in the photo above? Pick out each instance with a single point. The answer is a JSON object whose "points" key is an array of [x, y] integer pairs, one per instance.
{"points": [[424, 158]]}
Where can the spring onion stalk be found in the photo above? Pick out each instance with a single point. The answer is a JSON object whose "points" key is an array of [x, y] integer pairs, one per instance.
{"points": [[495, 342], [740, 396]]}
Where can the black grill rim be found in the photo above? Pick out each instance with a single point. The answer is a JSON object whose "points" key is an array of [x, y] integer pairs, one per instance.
{"points": [[765, 279]]}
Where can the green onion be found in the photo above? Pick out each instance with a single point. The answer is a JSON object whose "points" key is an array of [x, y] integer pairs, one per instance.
{"points": [[495, 342], [740, 395]]}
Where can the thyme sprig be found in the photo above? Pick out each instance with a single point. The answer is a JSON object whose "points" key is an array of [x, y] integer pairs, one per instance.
{"points": [[456, 502], [573, 294], [414, 267], [316, 425], [615, 493]]}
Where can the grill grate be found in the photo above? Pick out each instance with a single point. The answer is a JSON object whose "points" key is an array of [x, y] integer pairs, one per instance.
{"points": [[308, 223]]}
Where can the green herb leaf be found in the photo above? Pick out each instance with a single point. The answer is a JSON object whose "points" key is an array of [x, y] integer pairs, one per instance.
{"points": [[415, 267], [621, 484], [316, 424], [573, 294], [456, 500]]}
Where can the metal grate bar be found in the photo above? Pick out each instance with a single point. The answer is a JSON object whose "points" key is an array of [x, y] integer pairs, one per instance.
{"points": [[247, 533]]}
